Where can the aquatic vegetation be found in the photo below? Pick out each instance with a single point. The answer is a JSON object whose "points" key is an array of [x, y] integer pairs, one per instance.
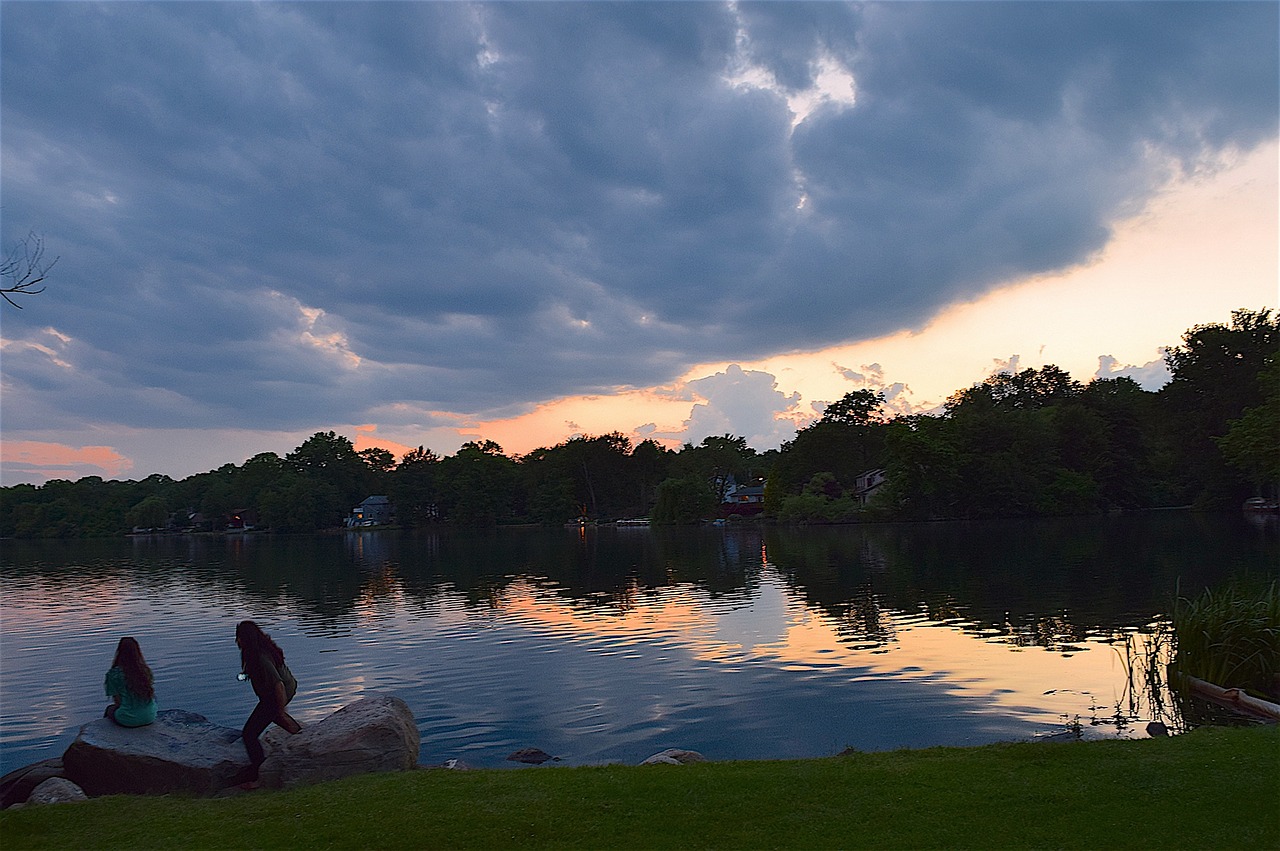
{"points": [[1230, 636]]}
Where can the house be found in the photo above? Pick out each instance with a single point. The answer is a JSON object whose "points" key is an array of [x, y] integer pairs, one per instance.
{"points": [[374, 511], [241, 519], [866, 485], [742, 500], [745, 495]]}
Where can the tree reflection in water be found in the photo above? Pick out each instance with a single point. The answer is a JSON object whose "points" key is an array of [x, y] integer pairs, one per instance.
{"points": [[646, 633]]}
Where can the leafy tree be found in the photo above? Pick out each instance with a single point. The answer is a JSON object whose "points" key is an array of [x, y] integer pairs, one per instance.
{"points": [[1029, 389], [600, 477], [650, 463], [1252, 442], [598, 469], [339, 476], [298, 504], [855, 408], [477, 485], [684, 500], [413, 488], [1123, 467], [846, 442], [823, 500], [150, 513], [1215, 380], [379, 460], [219, 497], [923, 465], [718, 460]]}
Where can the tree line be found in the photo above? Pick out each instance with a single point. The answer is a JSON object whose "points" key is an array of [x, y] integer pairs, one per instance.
{"points": [[1030, 443]]}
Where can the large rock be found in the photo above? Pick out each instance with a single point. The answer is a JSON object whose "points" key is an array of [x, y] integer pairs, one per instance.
{"points": [[180, 752], [377, 733]]}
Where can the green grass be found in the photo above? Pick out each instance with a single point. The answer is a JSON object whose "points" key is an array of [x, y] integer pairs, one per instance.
{"points": [[1212, 788]]}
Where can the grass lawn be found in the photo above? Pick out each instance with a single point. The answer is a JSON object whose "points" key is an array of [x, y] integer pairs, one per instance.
{"points": [[1214, 788]]}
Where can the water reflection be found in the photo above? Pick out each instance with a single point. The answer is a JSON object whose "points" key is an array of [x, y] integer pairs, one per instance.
{"points": [[613, 644]]}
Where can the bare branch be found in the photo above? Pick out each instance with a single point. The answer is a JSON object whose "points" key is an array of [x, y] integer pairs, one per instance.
{"points": [[24, 268]]}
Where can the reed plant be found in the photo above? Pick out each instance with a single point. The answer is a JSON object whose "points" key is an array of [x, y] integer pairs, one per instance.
{"points": [[1230, 636]]}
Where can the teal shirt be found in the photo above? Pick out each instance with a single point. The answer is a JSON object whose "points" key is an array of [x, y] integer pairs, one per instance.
{"points": [[134, 711]]}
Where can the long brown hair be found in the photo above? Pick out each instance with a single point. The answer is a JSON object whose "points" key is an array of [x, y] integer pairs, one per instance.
{"points": [[253, 644], [137, 674]]}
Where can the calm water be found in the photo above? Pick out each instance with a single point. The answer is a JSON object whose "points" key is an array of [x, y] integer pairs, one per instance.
{"points": [[618, 643]]}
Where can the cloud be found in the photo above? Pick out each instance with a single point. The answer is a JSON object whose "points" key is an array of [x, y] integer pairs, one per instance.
{"points": [[277, 215], [1151, 375], [745, 403], [368, 438], [898, 397], [29, 460]]}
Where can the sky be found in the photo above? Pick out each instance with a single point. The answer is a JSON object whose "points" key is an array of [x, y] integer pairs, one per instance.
{"points": [[427, 223]]}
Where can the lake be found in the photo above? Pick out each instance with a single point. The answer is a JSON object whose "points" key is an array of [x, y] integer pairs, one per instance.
{"points": [[611, 644]]}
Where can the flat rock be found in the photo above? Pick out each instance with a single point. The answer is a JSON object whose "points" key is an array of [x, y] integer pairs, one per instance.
{"points": [[675, 756], [376, 733], [180, 752]]}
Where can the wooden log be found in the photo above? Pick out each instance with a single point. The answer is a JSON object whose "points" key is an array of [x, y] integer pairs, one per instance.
{"points": [[1234, 697]]}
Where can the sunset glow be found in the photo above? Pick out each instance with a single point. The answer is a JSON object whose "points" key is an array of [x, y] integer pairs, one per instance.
{"points": [[595, 228]]}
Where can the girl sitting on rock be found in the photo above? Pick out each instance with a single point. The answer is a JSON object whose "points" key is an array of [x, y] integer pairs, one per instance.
{"points": [[130, 686]]}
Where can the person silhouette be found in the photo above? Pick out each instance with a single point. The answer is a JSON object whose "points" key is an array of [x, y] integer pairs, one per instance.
{"points": [[131, 687], [262, 662]]}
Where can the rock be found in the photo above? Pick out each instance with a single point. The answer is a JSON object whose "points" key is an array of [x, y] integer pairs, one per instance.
{"points": [[17, 785], [57, 790], [1157, 728], [377, 733], [532, 756], [455, 765], [675, 756], [180, 752], [184, 752]]}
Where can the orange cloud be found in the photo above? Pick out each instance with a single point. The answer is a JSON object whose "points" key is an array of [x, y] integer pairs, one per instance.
{"points": [[367, 438], [633, 412], [57, 460]]}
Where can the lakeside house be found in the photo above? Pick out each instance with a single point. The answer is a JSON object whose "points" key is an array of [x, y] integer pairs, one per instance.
{"points": [[868, 484], [745, 495], [373, 511], [742, 500]]}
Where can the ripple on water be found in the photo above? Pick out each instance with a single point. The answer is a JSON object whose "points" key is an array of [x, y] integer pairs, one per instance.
{"points": [[603, 676]]}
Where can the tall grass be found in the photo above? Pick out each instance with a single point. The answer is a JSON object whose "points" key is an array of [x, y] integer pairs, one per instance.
{"points": [[1230, 636]]}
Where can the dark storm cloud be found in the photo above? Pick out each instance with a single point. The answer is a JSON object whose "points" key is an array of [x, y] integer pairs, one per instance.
{"points": [[278, 214]]}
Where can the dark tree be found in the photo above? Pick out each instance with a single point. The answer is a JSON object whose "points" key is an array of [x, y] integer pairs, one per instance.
{"points": [[413, 487], [855, 408], [477, 485], [340, 477], [24, 269], [1216, 379], [1252, 442]]}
